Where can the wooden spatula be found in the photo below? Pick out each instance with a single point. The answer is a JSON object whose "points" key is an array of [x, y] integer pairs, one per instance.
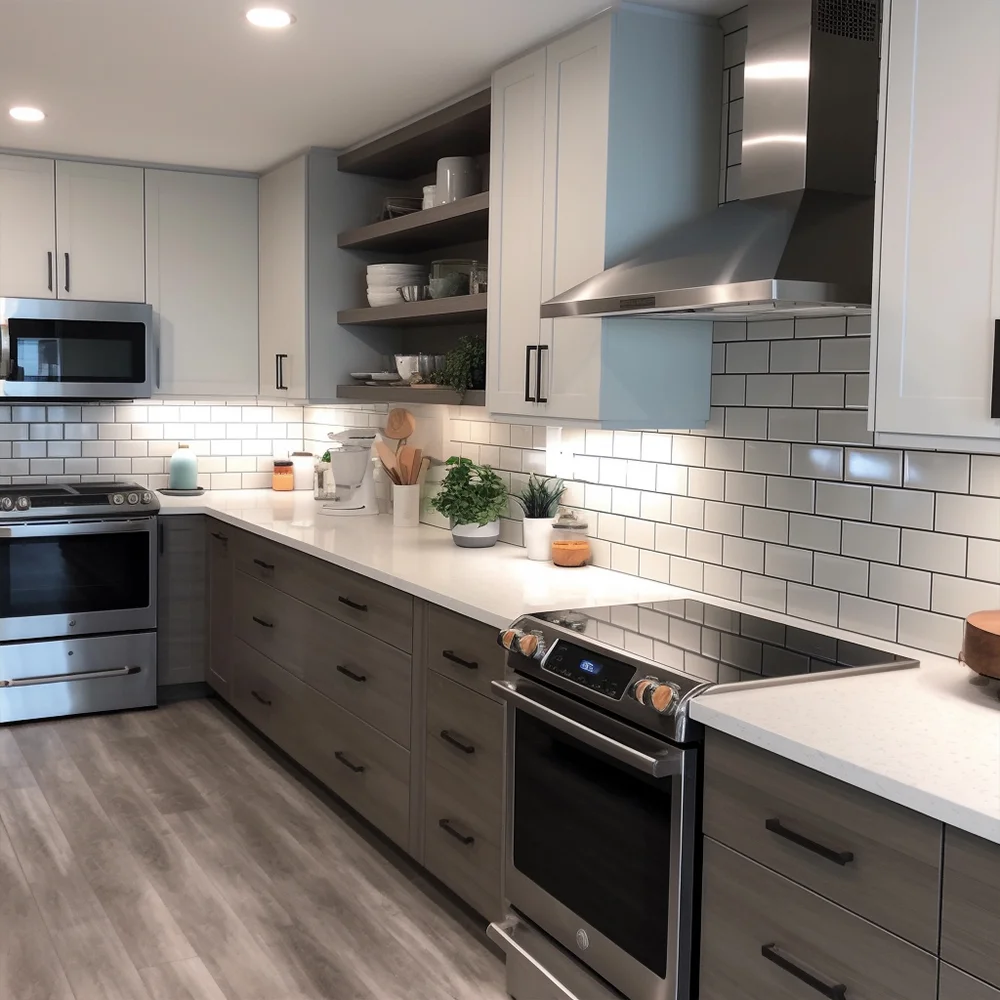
{"points": [[399, 425], [388, 459], [416, 460], [404, 461]]}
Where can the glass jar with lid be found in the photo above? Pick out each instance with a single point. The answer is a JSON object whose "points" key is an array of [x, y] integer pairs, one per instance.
{"points": [[570, 541]]}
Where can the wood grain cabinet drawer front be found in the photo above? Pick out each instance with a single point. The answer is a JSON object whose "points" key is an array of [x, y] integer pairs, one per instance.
{"points": [[970, 905], [461, 847], [465, 739], [367, 677], [370, 606], [956, 985], [463, 649], [764, 936], [876, 858]]}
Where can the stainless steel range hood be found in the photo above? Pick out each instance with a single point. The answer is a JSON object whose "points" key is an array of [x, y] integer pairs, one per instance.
{"points": [[799, 242]]}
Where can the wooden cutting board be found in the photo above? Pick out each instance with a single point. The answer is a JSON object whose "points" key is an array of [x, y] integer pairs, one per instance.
{"points": [[981, 648]]}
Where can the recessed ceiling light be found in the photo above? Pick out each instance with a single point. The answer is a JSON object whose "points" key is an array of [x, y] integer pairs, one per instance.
{"points": [[269, 17], [27, 114]]}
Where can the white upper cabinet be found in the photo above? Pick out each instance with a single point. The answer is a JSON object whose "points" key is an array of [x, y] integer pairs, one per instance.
{"points": [[618, 122], [937, 259], [27, 227], [201, 280], [100, 232]]}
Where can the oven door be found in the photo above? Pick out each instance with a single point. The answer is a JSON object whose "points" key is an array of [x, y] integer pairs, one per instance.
{"points": [[58, 349], [600, 839], [77, 578]]}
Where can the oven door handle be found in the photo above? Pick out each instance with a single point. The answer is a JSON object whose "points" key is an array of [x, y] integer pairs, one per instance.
{"points": [[68, 528], [86, 675], [663, 763]]}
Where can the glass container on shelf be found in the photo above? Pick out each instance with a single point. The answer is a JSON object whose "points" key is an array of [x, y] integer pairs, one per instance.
{"points": [[570, 541]]}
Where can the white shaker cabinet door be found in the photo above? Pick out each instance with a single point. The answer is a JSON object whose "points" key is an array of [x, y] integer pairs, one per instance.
{"points": [[100, 232], [515, 250], [201, 275], [938, 257], [27, 227], [575, 196]]}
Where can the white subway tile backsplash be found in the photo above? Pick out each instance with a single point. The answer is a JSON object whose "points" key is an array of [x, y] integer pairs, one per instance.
{"points": [[705, 546], [729, 390], [787, 563], [900, 585], [627, 444], [870, 465], [626, 502], [722, 582], [930, 631], [791, 425], [765, 525], [874, 618], [64, 449], [821, 534], [976, 516], [686, 573], [817, 461], [672, 479], [724, 453], [767, 390], [844, 427], [641, 475], [743, 553], [746, 488], [940, 471], [839, 573], [986, 475], [877, 542], [852, 354], [933, 551], [855, 391], [610, 527], [689, 450], [791, 494], [907, 508], [707, 484], [764, 592], [747, 356], [795, 356], [818, 390], [770, 329], [823, 326], [725, 518], [951, 595], [688, 512], [767, 456], [671, 538], [656, 447], [844, 500], [29, 449], [746, 422], [813, 603], [984, 560]]}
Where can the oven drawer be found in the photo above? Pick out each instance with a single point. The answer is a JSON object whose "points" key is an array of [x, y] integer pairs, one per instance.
{"points": [[370, 606], [970, 905], [461, 847], [41, 680], [750, 913], [369, 678], [798, 822], [366, 769], [465, 740], [463, 649]]}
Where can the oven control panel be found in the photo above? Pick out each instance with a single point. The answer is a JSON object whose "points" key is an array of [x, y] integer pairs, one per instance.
{"points": [[602, 674]]}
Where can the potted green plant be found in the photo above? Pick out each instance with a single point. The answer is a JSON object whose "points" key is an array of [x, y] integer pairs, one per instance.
{"points": [[473, 497], [539, 500]]}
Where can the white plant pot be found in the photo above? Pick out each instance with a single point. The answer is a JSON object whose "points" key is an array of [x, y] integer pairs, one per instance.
{"points": [[475, 536], [538, 538], [406, 506]]}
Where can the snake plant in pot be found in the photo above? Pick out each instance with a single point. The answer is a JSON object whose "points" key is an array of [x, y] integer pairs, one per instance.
{"points": [[473, 497], [539, 500]]}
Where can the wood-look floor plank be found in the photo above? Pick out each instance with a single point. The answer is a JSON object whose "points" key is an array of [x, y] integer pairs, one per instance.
{"points": [[168, 790], [39, 742], [188, 980], [97, 964], [16, 777], [10, 752]]}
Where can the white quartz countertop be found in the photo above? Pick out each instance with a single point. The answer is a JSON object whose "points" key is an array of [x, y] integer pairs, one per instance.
{"points": [[925, 738]]}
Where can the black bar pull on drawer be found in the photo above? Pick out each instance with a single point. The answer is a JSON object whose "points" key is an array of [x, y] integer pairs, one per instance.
{"points": [[353, 604], [466, 839], [263, 565], [360, 678], [456, 742], [260, 698], [468, 664], [348, 763], [833, 991], [837, 857], [220, 536], [261, 622], [995, 394], [528, 398]]}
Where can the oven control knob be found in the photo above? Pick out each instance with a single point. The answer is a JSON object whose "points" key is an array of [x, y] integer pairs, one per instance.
{"points": [[133, 498], [6, 503], [23, 503], [147, 498], [118, 499], [582, 940]]}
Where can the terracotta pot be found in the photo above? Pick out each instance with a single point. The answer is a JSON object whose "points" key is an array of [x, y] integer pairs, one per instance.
{"points": [[981, 646]]}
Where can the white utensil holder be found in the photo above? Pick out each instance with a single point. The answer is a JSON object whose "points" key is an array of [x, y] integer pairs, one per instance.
{"points": [[406, 506]]}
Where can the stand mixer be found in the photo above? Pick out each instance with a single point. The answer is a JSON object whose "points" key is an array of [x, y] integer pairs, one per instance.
{"points": [[347, 487]]}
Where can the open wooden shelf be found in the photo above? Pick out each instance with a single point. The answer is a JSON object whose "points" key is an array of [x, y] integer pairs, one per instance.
{"points": [[409, 394], [431, 312], [463, 221], [461, 129]]}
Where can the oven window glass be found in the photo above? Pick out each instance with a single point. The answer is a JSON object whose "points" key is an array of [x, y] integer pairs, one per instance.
{"points": [[47, 350], [594, 834], [74, 574]]}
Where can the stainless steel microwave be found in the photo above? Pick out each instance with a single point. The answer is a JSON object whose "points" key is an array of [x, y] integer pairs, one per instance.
{"points": [[61, 349]]}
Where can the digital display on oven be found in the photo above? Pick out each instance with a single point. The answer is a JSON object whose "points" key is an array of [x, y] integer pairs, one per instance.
{"points": [[604, 675]]}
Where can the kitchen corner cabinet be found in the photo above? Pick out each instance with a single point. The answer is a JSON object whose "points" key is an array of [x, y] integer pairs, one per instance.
{"points": [[600, 141], [937, 280], [181, 617], [201, 280], [27, 227], [100, 232], [304, 279]]}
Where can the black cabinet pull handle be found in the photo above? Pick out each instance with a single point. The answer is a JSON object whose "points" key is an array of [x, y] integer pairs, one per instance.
{"points": [[360, 678], [995, 394], [67, 271], [262, 564], [260, 621], [539, 398], [837, 857], [347, 762], [833, 991], [221, 537], [50, 270], [455, 742], [279, 371], [468, 664], [260, 698], [353, 604], [528, 398], [448, 828]]}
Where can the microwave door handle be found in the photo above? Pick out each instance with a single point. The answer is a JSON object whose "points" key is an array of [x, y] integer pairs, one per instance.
{"points": [[658, 765]]}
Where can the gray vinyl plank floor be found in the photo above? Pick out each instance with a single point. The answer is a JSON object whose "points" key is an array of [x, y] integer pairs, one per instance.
{"points": [[166, 855]]}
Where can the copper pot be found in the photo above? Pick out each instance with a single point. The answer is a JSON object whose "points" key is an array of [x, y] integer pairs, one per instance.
{"points": [[981, 645]]}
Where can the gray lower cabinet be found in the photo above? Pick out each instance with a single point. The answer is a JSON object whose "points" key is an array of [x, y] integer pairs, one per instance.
{"points": [[182, 605], [220, 606], [765, 936], [463, 649], [957, 985]]}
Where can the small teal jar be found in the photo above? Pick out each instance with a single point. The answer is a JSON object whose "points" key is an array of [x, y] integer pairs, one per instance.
{"points": [[183, 469]]}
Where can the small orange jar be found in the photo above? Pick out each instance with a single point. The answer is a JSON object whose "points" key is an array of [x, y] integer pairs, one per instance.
{"points": [[283, 478], [570, 542]]}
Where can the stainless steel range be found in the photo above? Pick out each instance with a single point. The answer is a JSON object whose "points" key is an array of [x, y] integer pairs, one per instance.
{"points": [[604, 796], [77, 599]]}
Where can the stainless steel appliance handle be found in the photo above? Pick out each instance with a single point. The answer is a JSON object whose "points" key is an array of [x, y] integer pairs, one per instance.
{"points": [[4, 350], [659, 765], [63, 528], [86, 675]]}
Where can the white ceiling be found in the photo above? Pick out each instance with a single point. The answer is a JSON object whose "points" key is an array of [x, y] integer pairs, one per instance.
{"points": [[190, 82]]}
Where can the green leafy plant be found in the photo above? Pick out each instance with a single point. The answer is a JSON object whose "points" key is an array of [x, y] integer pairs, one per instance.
{"points": [[470, 493], [540, 498], [464, 366]]}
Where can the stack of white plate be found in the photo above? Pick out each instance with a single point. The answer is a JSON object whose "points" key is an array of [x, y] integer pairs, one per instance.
{"points": [[384, 279]]}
